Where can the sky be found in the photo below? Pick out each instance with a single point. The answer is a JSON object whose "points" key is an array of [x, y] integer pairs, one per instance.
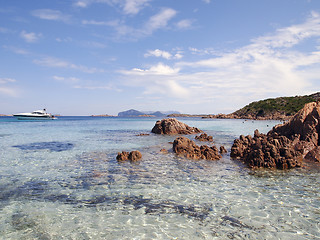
{"points": [[87, 57]]}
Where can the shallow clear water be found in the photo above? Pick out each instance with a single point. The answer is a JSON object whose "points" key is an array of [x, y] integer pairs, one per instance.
{"points": [[60, 180]]}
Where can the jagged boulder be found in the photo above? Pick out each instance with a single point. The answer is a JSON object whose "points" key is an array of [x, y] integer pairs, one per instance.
{"points": [[204, 138], [265, 151], [185, 147], [172, 126], [306, 124], [286, 145], [123, 156], [223, 150]]}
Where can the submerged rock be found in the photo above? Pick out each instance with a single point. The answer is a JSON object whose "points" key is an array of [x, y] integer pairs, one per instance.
{"points": [[187, 148], [172, 126], [286, 145]]}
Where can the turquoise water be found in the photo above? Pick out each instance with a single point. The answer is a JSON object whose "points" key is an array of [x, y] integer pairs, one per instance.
{"points": [[60, 180]]}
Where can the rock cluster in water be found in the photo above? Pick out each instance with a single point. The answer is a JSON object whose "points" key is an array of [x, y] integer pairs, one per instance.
{"points": [[132, 156], [185, 147], [204, 138], [172, 126], [286, 145]]}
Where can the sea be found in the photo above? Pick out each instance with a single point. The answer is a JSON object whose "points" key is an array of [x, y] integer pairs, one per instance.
{"points": [[59, 179]]}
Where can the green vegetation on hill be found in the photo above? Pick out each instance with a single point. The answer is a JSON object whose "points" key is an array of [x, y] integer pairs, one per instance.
{"points": [[286, 106]]}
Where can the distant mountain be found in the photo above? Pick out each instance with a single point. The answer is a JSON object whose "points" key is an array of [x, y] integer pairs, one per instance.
{"points": [[136, 113], [130, 113]]}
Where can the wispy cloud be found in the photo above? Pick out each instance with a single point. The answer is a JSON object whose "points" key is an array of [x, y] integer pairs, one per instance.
{"points": [[58, 63], [68, 80], [30, 37], [134, 6], [154, 23], [101, 23], [269, 66], [158, 79], [130, 7], [6, 89], [49, 14], [184, 24], [160, 20], [3, 30], [85, 84], [16, 50]]}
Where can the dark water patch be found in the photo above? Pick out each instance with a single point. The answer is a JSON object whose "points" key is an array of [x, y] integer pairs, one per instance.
{"points": [[29, 226], [227, 220], [21, 221], [31, 189], [51, 146], [4, 135], [167, 206]]}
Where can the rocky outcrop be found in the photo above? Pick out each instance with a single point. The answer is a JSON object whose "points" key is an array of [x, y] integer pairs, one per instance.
{"points": [[204, 138], [172, 126], [132, 156], [185, 147], [305, 124], [286, 145], [266, 151]]}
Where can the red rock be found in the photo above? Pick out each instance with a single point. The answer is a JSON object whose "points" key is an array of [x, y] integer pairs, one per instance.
{"points": [[132, 156], [172, 126], [123, 156], [185, 147], [314, 155], [285, 145], [223, 150], [135, 156], [204, 138]]}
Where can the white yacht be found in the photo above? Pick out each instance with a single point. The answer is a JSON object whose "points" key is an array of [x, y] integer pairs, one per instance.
{"points": [[35, 115]]}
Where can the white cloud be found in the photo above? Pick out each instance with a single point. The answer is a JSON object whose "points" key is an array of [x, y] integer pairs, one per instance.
{"points": [[159, 69], [158, 53], [158, 79], [184, 24], [207, 1], [163, 54], [101, 23], [49, 14], [6, 80], [130, 7], [85, 84], [30, 37], [6, 89], [16, 50], [160, 20], [134, 6], [154, 23], [54, 62], [69, 80], [269, 66]]}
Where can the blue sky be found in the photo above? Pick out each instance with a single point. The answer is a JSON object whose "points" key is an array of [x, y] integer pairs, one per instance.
{"points": [[83, 57]]}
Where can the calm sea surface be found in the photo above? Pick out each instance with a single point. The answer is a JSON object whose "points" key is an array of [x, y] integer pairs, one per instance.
{"points": [[60, 180]]}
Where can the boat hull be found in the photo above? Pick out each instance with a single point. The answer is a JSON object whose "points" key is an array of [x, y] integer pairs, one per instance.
{"points": [[21, 117]]}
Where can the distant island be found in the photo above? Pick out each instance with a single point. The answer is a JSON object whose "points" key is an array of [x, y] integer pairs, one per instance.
{"points": [[136, 113]]}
